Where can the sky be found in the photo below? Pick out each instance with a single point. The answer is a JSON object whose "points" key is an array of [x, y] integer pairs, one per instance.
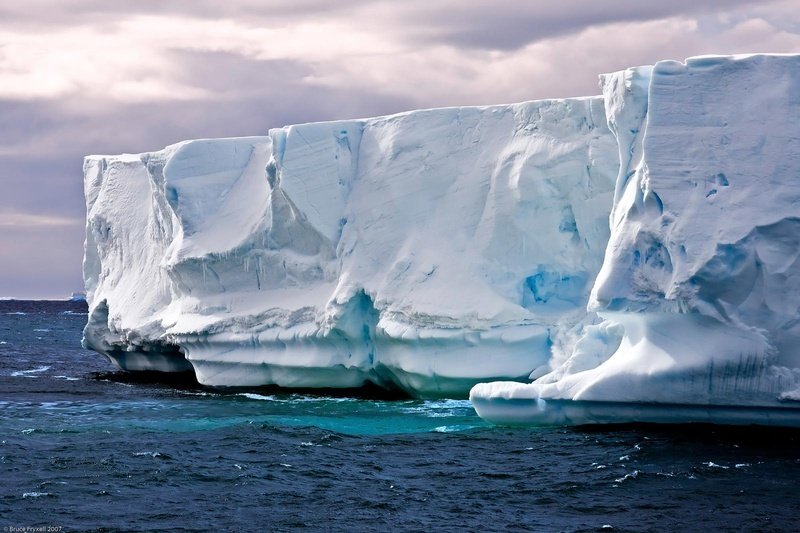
{"points": [[82, 77]]}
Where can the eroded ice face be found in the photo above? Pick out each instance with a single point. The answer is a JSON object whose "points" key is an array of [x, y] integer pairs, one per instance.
{"points": [[428, 250], [701, 272]]}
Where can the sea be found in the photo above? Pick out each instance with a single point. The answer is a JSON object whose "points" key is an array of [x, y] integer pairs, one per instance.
{"points": [[86, 447]]}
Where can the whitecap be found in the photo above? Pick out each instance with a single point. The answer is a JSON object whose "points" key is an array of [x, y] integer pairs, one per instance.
{"points": [[68, 378], [632, 475], [253, 396], [448, 404], [24, 373], [147, 454], [36, 494], [711, 464], [43, 330]]}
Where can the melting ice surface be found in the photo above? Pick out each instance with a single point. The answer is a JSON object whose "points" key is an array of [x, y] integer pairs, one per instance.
{"points": [[437, 249]]}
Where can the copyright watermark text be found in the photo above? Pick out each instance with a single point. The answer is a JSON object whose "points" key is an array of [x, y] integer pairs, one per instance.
{"points": [[33, 529]]}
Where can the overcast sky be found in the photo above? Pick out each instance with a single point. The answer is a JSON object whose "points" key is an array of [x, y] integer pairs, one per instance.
{"points": [[84, 77]]}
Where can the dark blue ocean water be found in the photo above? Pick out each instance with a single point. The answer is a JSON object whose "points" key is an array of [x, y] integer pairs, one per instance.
{"points": [[84, 448]]}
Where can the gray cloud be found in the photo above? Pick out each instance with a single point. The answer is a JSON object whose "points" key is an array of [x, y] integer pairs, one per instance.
{"points": [[502, 25], [43, 15], [40, 261], [511, 25]]}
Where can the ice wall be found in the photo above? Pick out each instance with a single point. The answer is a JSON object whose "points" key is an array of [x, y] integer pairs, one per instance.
{"points": [[700, 283], [427, 251]]}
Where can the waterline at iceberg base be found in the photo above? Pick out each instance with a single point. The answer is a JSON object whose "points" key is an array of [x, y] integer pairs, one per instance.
{"points": [[634, 254]]}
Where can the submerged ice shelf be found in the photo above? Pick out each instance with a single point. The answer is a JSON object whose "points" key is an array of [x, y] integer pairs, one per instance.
{"points": [[434, 250]]}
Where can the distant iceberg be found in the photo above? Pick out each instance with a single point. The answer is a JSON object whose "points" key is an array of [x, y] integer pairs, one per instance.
{"points": [[434, 250]]}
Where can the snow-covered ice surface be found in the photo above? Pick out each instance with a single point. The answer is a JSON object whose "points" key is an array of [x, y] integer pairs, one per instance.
{"points": [[700, 284], [429, 250]]}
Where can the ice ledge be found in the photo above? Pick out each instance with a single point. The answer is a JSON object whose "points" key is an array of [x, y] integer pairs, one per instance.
{"points": [[539, 412]]}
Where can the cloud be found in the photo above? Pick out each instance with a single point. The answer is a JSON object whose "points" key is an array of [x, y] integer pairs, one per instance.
{"points": [[29, 220], [37, 15], [513, 25], [132, 56], [92, 76]]}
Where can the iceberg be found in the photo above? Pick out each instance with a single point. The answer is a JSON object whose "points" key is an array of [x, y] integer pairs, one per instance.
{"points": [[698, 290], [633, 256], [426, 251]]}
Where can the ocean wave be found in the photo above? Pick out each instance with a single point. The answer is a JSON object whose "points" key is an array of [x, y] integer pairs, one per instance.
{"points": [[25, 373], [37, 494], [253, 396]]}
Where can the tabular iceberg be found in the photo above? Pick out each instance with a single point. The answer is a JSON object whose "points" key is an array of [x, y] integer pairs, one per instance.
{"points": [[699, 288], [426, 251], [434, 250]]}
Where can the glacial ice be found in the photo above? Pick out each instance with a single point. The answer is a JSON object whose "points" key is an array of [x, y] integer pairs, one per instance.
{"points": [[699, 284], [636, 254], [425, 251]]}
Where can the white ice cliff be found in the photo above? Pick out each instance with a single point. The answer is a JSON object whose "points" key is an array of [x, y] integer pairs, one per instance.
{"points": [[426, 251], [700, 284], [433, 250]]}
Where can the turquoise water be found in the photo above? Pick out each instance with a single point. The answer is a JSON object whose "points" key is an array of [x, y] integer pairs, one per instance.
{"points": [[199, 411]]}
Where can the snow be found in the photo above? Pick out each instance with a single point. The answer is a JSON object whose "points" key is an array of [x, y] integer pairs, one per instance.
{"points": [[427, 251], [700, 278]]}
